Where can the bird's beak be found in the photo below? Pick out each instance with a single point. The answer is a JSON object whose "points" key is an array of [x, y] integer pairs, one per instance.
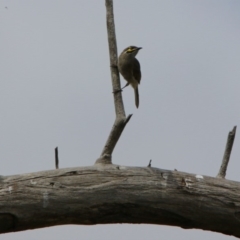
{"points": [[139, 48]]}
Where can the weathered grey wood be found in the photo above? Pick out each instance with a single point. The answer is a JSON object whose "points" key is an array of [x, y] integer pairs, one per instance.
{"points": [[113, 56], [227, 153], [56, 158], [121, 120], [117, 194]]}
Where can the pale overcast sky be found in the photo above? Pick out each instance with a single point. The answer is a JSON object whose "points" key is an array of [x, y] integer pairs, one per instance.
{"points": [[55, 90]]}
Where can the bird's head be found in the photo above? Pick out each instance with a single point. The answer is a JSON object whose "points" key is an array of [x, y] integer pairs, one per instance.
{"points": [[131, 51]]}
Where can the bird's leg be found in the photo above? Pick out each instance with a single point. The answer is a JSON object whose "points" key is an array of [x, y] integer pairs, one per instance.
{"points": [[120, 90], [125, 85]]}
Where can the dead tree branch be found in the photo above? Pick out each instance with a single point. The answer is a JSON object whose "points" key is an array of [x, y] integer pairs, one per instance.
{"points": [[227, 153], [106, 193], [56, 158], [121, 120], [117, 194]]}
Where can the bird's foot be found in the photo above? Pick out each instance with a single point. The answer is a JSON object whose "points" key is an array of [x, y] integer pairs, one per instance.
{"points": [[118, 90]]}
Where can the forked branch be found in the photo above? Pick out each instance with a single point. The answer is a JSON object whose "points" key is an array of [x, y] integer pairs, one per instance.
{"points": [[121, 120]]}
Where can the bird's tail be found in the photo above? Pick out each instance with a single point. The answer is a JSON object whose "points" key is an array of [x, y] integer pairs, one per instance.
{"points": [[136, 96]]}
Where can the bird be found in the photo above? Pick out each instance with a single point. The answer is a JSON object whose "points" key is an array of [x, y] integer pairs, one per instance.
{"points": [[130, 69]]}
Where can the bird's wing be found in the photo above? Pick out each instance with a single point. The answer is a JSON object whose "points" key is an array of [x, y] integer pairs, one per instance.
{"points": [[136, 70]]}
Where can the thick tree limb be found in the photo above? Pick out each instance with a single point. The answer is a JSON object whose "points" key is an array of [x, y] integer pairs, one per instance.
{"points": [[117, 194], [227, 153]]}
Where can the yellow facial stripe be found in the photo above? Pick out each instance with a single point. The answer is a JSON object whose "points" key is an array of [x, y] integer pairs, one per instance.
{"points": [[130, 50]]}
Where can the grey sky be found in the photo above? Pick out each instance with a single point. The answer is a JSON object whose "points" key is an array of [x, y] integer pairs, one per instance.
{"points": [[56, 91]]}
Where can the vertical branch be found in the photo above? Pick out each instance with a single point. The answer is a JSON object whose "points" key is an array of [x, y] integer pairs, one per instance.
{"points": [[56, 158], [121, 120], [112, 44], [227, 153]]}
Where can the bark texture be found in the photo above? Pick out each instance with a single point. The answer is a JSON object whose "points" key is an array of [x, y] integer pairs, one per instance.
{"points": [[121, 119], [117, 194]]}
